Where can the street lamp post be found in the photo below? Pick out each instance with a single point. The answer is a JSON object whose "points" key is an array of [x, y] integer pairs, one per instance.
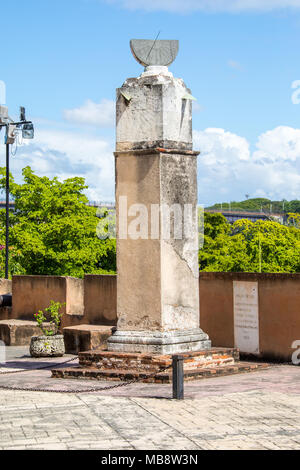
{"points": [[27, 133], [7, 213]]}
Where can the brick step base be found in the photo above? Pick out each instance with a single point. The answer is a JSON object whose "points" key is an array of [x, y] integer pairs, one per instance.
{"points": [[107, 360], [93, 373], [107, 365]]}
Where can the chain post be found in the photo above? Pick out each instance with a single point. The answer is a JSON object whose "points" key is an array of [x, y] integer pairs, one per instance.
{"points": [[178, 378]]}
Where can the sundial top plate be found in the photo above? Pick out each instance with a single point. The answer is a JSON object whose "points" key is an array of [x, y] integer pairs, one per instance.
{"points": [[149, 52]]}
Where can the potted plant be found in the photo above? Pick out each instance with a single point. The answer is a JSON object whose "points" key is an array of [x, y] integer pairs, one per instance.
{"points": [[50, 343]]}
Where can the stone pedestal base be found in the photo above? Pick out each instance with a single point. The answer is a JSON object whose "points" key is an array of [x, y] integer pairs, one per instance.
{"points": [[156, 342], [153, 368]]}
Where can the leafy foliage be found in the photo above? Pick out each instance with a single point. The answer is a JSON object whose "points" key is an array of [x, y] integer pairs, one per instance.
{"points": [[246, 246], [261, 204], [52, 314], [294, 219], [53, 230]]}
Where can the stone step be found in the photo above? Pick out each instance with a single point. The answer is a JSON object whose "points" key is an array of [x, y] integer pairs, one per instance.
{"points": [[18, 332], [108, 365], [86, 337], [154, 362], [93, 373]]}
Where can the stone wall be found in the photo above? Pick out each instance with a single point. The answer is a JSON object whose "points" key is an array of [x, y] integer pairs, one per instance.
{"points": [[278, 306], [93, 301], [5, 286], [100, 299], [89, 301], [33, 293]]}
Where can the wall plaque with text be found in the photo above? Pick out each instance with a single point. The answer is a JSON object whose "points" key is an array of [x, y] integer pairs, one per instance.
{"points": [[246, 321]]}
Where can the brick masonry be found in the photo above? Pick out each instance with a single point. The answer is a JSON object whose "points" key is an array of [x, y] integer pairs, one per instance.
{"points": [[147, 368], [92, 373], [151, 362]]}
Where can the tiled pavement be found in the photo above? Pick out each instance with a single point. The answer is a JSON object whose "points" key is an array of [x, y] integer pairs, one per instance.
{"points": [[260, 410]]}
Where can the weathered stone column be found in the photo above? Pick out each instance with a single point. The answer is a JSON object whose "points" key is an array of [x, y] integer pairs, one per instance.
{"points": [[157, 235], [157, 221]]}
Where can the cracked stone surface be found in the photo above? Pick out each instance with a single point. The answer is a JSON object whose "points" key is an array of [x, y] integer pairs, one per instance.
{"points": [[157, 104]]}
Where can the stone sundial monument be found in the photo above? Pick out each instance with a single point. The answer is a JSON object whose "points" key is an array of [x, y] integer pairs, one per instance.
{"points": [[157, 230], [154, 53], [157, 282]]}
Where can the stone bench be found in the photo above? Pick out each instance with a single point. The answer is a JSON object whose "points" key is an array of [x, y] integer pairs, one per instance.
{"points": [[86, 337], [18, 332]]}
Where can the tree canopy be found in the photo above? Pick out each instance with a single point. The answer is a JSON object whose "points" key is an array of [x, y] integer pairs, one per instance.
{"points": [[53, 230], [245, 246], [260, 204]]}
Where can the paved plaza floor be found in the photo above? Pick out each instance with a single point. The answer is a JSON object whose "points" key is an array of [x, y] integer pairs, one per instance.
{"points": [[259, 410]]}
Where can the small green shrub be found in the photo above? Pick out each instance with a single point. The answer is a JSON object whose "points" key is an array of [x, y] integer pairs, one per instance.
{"points": [[51, 315]]}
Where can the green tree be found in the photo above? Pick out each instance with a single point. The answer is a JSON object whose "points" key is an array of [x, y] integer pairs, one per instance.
{"points": [[53, 230], [263, 246], [294, 219], [260, 204]]}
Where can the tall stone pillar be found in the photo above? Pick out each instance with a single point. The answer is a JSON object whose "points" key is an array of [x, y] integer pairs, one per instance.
{"points": [[157, 220], [157, 235]]}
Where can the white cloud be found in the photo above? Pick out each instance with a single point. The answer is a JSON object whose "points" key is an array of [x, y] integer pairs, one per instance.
{"points": [[67, 154], [207, 5], [228, 169], [279, 145], [97, 114]]}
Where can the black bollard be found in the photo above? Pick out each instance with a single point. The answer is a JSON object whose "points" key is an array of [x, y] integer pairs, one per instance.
{"points": [[178, 378]]}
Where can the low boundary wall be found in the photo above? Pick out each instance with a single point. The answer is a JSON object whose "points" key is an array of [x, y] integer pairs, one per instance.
{"points": [[100, 299], [33, 293], [258, 313]]}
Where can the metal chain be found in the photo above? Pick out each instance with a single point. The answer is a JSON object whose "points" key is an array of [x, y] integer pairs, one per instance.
{"points": [[38, 368], [77, 391], [89, 390]]}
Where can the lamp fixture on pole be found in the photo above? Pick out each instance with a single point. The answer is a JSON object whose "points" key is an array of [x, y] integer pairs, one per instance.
{"points": [[12, 129]]}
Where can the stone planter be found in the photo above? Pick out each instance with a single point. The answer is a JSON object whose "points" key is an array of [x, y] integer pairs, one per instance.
{"points": [[47, 346]]}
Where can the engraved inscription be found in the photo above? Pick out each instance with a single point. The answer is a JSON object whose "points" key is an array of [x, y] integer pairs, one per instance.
{"points": [[246, 321]]}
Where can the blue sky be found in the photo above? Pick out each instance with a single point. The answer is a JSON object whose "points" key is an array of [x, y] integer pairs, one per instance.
{"points": [[63, 60]]}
